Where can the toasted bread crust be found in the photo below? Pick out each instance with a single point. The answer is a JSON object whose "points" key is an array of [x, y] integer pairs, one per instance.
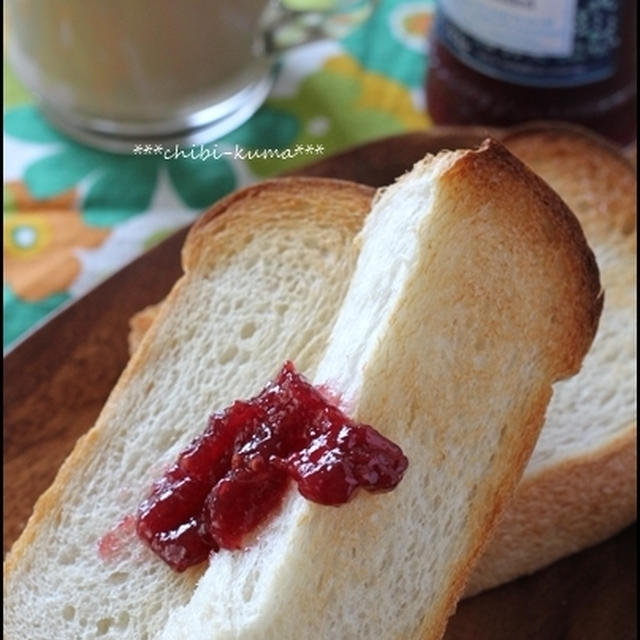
{"points": [[562, 508], [493, 170], [599, 163], [553, 130], [550, 221], [292, 195]]}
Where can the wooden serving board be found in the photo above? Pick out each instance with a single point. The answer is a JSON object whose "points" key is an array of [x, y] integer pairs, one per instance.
{"points": [[58, 378]]}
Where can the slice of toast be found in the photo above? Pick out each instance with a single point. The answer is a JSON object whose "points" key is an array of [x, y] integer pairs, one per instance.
{"points": [[474, 291], [242, 308], [580, 486]]}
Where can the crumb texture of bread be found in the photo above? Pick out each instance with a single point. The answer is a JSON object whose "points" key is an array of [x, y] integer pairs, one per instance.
{"points": [[448, 341], [579, 487], [241, 309]]}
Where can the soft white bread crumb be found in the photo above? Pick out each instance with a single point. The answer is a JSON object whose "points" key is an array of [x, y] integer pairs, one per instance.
{"points": [[242, 308], [451, 352], [580, 484], [500, 297]]}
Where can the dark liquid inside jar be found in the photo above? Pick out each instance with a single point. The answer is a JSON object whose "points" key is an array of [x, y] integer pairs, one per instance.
{"points": [[458, 94]]}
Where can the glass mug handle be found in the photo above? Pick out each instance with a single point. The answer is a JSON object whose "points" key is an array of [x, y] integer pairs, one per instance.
{"points": [[289, 23]]}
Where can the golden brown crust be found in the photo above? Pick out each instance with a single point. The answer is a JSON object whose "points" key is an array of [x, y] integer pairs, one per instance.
{"points": [[292, 194], [598, 184], [595, 179], [547, 221], [562, 510], [548, 224], [553, 130]]}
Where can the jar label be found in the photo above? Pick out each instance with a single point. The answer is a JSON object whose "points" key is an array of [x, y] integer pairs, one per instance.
{"points": [[538, 43]]}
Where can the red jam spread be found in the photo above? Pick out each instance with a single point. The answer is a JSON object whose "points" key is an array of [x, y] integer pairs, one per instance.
{"points": [[232, 477], [114, 540]]}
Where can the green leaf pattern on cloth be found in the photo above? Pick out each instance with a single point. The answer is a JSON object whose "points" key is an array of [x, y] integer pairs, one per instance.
{"points": [[73, 214], [339, 106], [405, 23], [120, 185]]}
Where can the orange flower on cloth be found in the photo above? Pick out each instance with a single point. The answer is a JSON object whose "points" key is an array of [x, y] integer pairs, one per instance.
{"points": [[40, 238]]}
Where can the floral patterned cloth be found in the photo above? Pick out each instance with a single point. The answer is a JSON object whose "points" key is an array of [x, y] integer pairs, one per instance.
{"points": [[73, 215]]}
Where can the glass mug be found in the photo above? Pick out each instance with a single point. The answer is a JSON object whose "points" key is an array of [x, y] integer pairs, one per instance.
{"points": [[113, 73]]}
